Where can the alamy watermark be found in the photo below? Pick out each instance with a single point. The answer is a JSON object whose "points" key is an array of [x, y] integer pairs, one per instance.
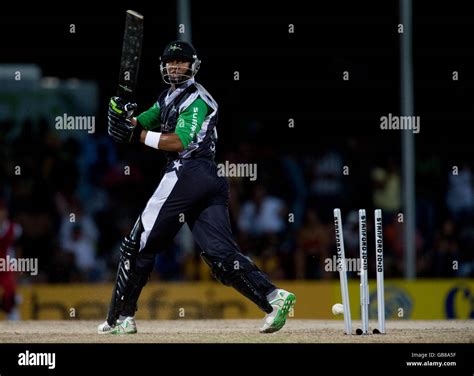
{"points": [[37, 359], [76, 123], [238, 170], [394, 122], [23, 265], [352, 264]]}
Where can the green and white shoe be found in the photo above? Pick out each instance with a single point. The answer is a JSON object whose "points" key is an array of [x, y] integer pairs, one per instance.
{"points": [[127, 325], [282, 302]]}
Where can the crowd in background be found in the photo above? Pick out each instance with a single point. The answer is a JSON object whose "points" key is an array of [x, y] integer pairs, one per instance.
{"points": [[75, 199]]}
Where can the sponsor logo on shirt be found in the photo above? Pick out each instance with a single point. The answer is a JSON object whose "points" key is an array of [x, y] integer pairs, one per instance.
{"points": [[194, 121]]}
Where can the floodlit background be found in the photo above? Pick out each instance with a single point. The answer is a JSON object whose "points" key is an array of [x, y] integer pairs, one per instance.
{"points": [[301, 96]]}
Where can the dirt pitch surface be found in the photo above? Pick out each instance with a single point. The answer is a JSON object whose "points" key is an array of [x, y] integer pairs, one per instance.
{"points": [[235, 331]]}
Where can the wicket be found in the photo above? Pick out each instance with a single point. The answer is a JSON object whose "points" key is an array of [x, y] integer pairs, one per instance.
{"points": [[364, 285], [342, 266]]}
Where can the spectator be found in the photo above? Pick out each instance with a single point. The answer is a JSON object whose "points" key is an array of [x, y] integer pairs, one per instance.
{"points": [[78, 235], [314, 241], [460, 195], [387, 190], [326, 185], [263, 214], [9, 233], [446, 252]]}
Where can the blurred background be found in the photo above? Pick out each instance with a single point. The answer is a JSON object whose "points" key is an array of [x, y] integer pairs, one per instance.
{"points": [[73, 194]]}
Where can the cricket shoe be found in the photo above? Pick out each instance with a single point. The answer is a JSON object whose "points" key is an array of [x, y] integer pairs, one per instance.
{"points": [[126, 325], [282, 302]]}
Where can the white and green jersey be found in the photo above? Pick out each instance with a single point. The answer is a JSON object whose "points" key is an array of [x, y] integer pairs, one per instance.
{"points": [[191, 113]]}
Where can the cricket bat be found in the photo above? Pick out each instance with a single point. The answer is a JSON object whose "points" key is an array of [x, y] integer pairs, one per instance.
{"points": [[131, 52]]}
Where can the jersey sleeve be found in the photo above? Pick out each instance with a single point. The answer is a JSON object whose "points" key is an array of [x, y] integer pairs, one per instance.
{"points": [[190, 121], [150, 119]]}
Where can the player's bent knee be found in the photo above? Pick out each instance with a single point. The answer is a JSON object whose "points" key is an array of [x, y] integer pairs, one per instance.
{"points": [[228, 269]]}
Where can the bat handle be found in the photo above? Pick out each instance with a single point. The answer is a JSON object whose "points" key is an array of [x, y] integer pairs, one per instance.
{"points": [[130, 107]]}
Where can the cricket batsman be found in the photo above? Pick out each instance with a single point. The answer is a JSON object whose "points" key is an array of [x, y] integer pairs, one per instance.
{"points": [[183, 124]]}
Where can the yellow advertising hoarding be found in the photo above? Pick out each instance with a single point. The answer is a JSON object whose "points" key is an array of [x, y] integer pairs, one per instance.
{"points": [[422, 299]]}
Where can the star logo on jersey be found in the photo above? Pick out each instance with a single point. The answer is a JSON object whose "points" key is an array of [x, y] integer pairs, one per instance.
{"points": [[177, 164]]}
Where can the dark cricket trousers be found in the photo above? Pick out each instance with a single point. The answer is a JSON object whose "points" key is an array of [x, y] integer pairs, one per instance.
{"points": [[192, 192]]}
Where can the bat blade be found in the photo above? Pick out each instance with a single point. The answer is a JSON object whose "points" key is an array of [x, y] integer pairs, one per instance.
{"points": [[131, 52]]}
